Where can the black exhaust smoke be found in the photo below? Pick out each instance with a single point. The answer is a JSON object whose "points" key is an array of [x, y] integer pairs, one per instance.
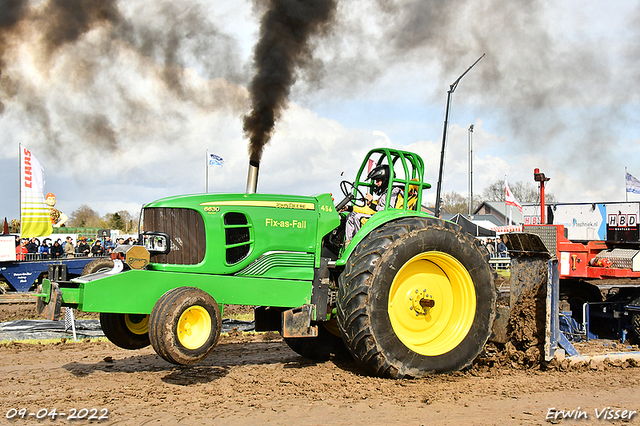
{"points": [[60, 21], [12, 13], [284, 34]]}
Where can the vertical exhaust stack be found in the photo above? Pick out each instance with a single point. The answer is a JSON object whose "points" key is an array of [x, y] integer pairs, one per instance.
{"points": [[252, 177], [283, 49]]}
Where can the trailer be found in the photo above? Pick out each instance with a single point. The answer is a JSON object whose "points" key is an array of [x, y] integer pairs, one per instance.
{"points": [[23, 273], [597, 248]]}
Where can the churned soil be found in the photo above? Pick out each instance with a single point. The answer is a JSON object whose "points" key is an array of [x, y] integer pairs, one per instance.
{"points": [[17, 311], [27, 310], [255, 379]]}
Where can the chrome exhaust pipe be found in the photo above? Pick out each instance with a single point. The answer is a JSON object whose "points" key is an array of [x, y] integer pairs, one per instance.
{"points": [[252, 177]]}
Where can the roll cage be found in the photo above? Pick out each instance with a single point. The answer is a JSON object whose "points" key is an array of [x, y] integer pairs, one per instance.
{"points": [[406, 170]]}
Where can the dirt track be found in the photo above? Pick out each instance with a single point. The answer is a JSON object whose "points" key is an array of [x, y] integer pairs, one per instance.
{"points": [[256, 379]]}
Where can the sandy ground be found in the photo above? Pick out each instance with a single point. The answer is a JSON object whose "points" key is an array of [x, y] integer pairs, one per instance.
{"points": [[255, 379]]}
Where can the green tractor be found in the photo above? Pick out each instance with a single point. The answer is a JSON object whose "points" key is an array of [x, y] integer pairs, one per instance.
{"points": [[409, 294]]}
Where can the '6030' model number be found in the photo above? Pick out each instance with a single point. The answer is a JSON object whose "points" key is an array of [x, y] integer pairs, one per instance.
{"points": [[97, 414]]}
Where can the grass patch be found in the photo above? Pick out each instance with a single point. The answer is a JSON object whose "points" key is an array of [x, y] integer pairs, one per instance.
{"points": [[263, 335], [238, 312], [506, 273], [239, 317]]}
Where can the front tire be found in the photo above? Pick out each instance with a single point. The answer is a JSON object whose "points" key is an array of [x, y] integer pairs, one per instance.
{"points": [[127, 331], [184, 326], [416, 297]]}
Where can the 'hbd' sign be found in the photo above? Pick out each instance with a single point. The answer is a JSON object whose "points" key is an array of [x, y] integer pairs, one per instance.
{"points": [[622, 227]]}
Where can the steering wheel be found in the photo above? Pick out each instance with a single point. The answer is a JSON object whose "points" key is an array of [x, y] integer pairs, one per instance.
{"points": [[347, 189]]}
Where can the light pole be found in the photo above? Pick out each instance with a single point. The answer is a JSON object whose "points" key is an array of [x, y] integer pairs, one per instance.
{"points": [[452, 89], [470, 169]]}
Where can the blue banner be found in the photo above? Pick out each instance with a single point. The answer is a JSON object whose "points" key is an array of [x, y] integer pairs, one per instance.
{"points": [[633, 184], [215, 160]]}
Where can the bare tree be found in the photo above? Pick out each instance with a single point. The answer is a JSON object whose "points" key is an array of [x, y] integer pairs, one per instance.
{"points": [[454, 203], [524, 192], [85, 216], [122, 220]]}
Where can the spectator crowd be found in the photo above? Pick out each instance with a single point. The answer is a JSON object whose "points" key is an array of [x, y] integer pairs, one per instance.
{"points": [[33, 249], [495, 247]]}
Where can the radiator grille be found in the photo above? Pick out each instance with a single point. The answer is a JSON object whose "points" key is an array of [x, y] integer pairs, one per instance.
{"points": [[185, 227], [237, 237]]}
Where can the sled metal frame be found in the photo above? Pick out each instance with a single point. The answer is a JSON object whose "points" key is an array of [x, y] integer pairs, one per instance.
{"points": [[554, 338]]}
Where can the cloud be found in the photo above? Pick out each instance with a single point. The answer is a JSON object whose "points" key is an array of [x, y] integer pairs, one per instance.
{"points": [[121, 106]]}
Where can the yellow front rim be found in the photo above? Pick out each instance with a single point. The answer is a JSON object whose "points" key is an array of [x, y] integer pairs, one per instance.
{"points": [[194, 327], [137, 323], [432, 303]]}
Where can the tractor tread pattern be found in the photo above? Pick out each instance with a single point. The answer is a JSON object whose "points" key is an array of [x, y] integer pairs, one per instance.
{"points": [[354, 298], [158, 314], [164, 318], [353, 294]]}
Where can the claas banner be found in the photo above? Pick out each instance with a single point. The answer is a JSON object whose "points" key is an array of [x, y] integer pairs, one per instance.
{"points": [[35, 216]]}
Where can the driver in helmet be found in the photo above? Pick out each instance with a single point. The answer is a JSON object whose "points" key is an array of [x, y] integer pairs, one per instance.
{"points": [[380, 176]]}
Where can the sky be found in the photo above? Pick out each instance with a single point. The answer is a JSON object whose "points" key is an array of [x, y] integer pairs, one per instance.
{"points": [[120, 101]]}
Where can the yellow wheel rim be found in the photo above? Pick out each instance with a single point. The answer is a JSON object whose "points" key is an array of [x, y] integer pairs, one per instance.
{"points": [[432, 303], [137, 323], [194, 327]]}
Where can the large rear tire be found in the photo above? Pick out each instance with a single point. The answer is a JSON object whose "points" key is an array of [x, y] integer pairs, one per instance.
{"points": [[128, 331], [184, 326], [416, 297]]}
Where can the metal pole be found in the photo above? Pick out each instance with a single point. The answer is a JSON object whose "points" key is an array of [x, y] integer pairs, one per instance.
{"points": [[20, 187], [540, 177], [444, 138], [206, 173], [542, 212], [452, 89], [506, 219], [626, 193], [470, 169]]}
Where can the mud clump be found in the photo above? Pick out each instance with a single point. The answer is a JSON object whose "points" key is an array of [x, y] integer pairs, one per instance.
{"points": [[527, 327], [524, 348]]}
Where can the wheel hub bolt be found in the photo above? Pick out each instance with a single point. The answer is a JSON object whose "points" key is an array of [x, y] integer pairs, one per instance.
{"points": [[421, 303], [427, 303]]}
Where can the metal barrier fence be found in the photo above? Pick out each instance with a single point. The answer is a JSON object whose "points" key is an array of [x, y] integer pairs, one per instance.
{"points": [[500, 263], [30, 257]]}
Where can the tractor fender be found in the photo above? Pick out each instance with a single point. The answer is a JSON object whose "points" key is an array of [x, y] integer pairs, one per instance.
{"points": [[374, 222]]}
